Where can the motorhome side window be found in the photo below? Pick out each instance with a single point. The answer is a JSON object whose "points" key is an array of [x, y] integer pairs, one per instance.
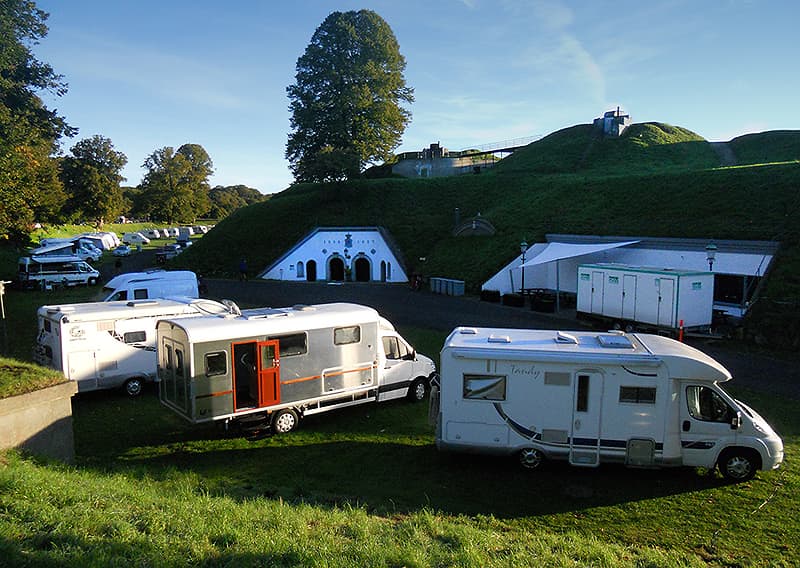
{"points": [[140, 294], [216, 364], [179, 362], [705, 404], [582, 402], [637, 395], [345, 335], [484, 387], [394, 348], [46, 325], [291, 345], [134, 337], [168, 352]]}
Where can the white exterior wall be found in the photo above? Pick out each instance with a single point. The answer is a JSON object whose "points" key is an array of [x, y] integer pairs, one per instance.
{"points": [[322, 246]]}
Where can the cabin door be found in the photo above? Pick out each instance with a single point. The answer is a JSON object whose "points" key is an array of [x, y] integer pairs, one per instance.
{"points": [[584, 441], [269, 364]]}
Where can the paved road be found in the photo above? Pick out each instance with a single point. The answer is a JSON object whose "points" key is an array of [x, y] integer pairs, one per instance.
{"points": [[404, 307]]}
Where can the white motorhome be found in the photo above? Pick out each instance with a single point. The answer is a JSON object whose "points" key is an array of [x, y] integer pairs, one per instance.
{"points": [[46, 271], [151, 284], [135, 239], [103, 345], [278, 365], [71, 247], [631, 297], [588, 397]]}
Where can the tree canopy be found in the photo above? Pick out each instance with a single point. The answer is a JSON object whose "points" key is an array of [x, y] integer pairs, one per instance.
{"points": [[346, 101], [29, 131]]}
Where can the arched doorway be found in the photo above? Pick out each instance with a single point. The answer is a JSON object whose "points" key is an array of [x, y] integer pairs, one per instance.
{"points": [[383, 271], [363, 269], [301, 273], [336, 269], [311, 270]]}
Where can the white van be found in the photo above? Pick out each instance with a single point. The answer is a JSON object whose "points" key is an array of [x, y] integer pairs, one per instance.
{"points": [[46, 271], [588, 397], [103, 345], [275, 366], [151, 284], [135, 239]]}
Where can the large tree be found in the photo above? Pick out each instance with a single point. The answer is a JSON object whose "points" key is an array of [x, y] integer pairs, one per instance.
{"points": [[29, 131], [346, 101], [92, 176], [175, 187]]}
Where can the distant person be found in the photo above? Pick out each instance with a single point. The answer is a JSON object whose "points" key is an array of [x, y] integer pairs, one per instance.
{"points": [[243, 269], [118, 266]]}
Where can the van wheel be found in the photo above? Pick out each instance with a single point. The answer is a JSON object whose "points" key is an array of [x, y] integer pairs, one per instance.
{"points": [[92, 281], [284, 421], [134, 386], [738, 464], [416, 392], [530, 458]]}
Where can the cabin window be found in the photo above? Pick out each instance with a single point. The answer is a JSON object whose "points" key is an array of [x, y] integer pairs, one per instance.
{"points": [[484, 387], [134, 337], [395, 349], [168, 357], [705, 404], [140, 294], [291, 345], [178, 363], [582, 402], [637, 395], [216, 363], [553, 378], [345, 335]]}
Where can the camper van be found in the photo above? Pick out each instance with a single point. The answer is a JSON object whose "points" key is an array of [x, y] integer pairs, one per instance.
{"points": [[151, 284], [68, 247], [588, 397], [46, 271], [278, 365], [103, 345]]}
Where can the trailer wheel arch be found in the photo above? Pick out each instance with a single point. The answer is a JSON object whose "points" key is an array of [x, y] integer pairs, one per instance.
{"points": [[134, 386], [285, 420], [531, 458], [738, 463]]}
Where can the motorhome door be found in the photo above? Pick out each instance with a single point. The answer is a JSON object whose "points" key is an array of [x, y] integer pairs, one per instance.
{"points": [[584, 441], [705, 425], [256, 374], [269, 363]]}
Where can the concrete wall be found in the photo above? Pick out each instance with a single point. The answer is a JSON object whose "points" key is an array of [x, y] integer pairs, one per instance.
{"points": [[40, 422], [439, 167]]}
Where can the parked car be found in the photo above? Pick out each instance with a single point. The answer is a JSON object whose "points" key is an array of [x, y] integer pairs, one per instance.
{"points": [[122, 250]]}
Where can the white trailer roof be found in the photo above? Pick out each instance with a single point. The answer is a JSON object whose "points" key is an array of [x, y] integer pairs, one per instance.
{"points": [[587, 347], [93, 311], [273, 321]]}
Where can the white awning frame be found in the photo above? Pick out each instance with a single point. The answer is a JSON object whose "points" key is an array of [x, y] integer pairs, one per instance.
{"points": [[559, 251]]}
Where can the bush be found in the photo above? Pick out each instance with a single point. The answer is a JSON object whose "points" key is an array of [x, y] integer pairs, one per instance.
{"points": [[516, 300]]}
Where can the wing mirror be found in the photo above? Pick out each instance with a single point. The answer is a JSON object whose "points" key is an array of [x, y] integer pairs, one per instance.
{"points": [[736, 421]]}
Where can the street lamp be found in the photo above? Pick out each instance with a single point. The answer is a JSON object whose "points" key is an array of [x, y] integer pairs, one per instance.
{"points": [[523, 247], [711, 253]]}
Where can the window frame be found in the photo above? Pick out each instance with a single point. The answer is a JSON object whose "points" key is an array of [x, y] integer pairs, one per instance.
{"points": [[207, 367], [500, 379]]}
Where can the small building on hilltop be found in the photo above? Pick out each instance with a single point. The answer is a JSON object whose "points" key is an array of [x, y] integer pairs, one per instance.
{"points": [[339, 254], [613, 123]]}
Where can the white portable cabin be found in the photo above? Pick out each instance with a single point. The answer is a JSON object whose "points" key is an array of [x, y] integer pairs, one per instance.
{"points": [[151, 284], [278, 365], [638, 399], [103, 345], [659, 298]]}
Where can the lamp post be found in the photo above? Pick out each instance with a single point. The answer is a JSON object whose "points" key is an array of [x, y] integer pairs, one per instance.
{"points": [[711, 253], [523, 247]]}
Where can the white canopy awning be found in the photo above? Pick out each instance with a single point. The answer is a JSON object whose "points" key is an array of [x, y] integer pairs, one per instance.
{"points": [[559, 251]]}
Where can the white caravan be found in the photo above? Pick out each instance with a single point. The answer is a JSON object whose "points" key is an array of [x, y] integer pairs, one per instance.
{"points": [[270, 367], [46, 271], [103, 345], [588, 397], [630, 297], [151, 284], [135, 239]]}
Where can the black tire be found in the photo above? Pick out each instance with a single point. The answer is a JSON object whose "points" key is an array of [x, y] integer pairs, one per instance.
{"points": [[134, 387], [284, 421], [417, 390], [531, 458], [738, 464]]}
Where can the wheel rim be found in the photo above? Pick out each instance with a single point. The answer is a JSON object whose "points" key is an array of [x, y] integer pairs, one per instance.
{"points": [[133, 387], [530, 458], [419, 390], [285, 422], [738, 467]]}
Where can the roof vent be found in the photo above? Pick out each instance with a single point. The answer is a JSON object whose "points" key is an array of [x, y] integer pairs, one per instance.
{"points": [[468, 331], [499, 339], [615, 341], [562, 337], [303, 308], [136, 303]]}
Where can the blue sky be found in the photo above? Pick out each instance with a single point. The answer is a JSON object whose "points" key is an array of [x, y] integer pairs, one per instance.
{"points": [[155, 73]]}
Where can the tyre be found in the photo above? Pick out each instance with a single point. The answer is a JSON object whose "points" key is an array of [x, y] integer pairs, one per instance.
{"points": [[530, 458], [738, 464], [134, 386], [417, 390], [284, 421]]}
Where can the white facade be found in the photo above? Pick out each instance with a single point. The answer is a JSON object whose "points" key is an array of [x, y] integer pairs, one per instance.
{"points": [[359, 254]]}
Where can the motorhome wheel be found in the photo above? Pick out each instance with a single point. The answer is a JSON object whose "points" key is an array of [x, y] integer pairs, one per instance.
{"points": [[416, 392], [531, 458], [284, 421], [134, 386], [738, 464]]}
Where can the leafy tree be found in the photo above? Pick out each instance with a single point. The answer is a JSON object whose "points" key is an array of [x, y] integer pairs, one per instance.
{"points": [[225, 200], [346, 101], [92, 176], [175, 187], [29, 131]]}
